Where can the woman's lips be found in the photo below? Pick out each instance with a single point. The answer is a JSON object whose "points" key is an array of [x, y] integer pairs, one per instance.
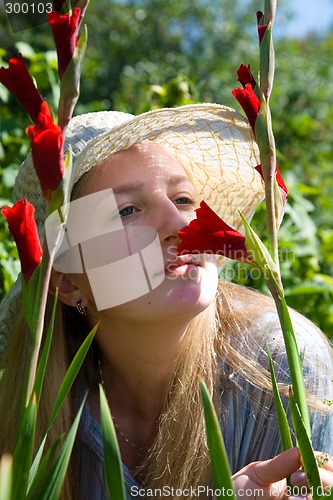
{"points": [[182, 264]]}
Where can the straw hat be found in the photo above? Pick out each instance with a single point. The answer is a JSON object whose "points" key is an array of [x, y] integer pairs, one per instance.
{"points": [[214, 143]]}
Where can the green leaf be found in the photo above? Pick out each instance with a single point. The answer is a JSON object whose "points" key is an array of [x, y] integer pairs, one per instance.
{"points": [[112, 461], [6, 475], [71, 373], [25, 49], [308, 458], [320, 285], [258, 251], [61, 196], [35, 289], [218, 456], [30, 297], [22, 456], [34, 469], [261, 130], [285, 436], [63, 391], [39, 469], [52, 484], [294, 360], [263, 259], [9, 175], [45, 353], [267, 62]]}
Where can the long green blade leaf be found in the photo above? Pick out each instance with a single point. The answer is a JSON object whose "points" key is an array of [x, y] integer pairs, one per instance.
{"points": [[35, 465], [219, 460], [306, 451], [39, 469], [63, 391], [52, 484], [26, 301], [112, 461], [22, 456], [285, 436], [71, 373], [294, 360], [45, 354], [269, 268]]}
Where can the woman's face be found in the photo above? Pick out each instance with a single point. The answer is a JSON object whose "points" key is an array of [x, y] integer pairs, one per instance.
{"points": [[154, 196]]}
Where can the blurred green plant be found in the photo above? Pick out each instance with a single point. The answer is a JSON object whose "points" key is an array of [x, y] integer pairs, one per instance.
{"points": [[148, 44], [14, 146]]}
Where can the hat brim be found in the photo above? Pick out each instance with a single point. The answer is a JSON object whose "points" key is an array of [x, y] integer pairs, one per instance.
{"points": [[214, 143]]}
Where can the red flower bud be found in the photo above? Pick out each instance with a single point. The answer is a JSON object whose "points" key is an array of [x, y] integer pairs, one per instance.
{"points": [[249, 102], [19, 82], [259, 14], [245, 76], [208, 233], [47, 151], [261, 27], [279, 180], [65, 32], [22, 225]]}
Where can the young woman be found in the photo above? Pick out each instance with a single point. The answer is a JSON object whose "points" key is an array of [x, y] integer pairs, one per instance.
{"points": [[165, 321]]}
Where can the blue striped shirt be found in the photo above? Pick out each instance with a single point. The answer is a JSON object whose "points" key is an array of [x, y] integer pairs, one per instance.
{"points": [[248, 418]]}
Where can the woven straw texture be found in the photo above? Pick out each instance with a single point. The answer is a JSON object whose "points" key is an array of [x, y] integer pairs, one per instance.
{"points": [[214, 143]]}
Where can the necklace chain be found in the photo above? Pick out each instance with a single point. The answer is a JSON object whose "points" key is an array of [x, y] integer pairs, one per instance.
{"points": [[115, 423]]}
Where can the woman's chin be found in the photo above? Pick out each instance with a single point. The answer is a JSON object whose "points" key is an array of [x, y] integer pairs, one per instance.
{"points": [[192, 287], [183, 294]]}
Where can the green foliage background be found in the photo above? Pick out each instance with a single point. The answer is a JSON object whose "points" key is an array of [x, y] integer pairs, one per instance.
{"points": [[152, 53]]}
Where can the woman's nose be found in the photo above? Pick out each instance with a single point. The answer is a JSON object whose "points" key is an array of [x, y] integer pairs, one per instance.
{"points": [[171, 220]]}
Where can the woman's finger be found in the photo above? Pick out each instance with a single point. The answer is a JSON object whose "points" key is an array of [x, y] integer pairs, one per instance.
{"points": [[277, 468], [327, 480]]}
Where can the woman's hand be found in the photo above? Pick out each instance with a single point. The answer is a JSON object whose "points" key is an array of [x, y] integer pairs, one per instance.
{"points": [[267, 480]]}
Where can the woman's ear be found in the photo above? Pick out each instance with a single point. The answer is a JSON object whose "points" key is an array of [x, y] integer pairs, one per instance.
{"points": [[68, 293]]}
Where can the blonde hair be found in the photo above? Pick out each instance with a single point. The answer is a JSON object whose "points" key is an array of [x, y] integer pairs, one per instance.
{"points": [[179, 455]]}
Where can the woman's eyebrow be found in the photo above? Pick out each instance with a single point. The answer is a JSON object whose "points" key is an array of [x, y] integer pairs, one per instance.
{"points": [[174, 180], [129, 187]]}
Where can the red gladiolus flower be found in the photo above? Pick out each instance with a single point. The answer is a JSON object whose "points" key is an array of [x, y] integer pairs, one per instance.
{"points": [[249, 102], [261, 28], [279, 180], [245, 76], [22, 225], [65, 32], [262, 31], [19, 82], [47, 151], [208, 233]]}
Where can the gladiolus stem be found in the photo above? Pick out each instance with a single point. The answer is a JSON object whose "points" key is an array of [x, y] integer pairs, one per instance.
{"points": [[271, 222], [294, 361], [270, 11], [268, 167], [266, 143], [45, 269]]}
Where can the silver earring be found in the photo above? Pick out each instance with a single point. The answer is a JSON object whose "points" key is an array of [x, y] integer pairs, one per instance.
{"points": [[80, 309]]}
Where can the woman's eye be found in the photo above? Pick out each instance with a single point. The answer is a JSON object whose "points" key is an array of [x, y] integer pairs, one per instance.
{"points": [[184, 200], [126, 211]]}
